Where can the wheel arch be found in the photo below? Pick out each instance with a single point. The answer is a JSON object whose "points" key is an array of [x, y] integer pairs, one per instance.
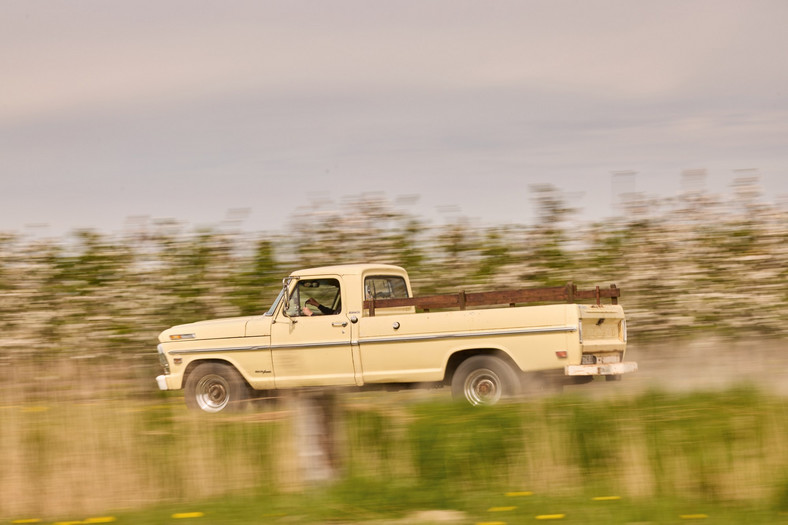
{"points": [[459, 356], [197, 362]]}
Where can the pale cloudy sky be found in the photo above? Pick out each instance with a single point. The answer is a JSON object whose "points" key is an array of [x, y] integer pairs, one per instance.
{"points": [[187, 108]]}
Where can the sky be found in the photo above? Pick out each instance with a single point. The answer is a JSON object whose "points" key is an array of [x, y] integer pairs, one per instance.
{"points": [[113, 112]]}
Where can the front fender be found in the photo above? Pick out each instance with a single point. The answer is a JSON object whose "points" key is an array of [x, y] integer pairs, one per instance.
{"points": [[252, 361]]}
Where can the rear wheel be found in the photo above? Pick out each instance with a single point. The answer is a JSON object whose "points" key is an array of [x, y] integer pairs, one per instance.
{"points": [[214, 387], [484, 380]]}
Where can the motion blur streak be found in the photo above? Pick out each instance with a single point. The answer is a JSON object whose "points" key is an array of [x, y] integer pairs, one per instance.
{"points": [[83, 427]]}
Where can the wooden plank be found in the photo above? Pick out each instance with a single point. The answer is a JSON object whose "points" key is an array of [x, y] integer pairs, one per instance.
{"points": [[608, 293], [524, 295]]}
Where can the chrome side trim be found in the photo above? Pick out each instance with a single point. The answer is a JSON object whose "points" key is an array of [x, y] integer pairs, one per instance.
{"points": [[311, 345], [362, 341], [257, 348], [209, 350], [549, 330]]}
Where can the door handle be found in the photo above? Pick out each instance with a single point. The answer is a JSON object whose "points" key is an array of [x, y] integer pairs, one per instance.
{"points": [[339, 323]]}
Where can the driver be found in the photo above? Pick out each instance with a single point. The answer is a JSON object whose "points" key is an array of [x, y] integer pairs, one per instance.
{"points": [[325, 310]]}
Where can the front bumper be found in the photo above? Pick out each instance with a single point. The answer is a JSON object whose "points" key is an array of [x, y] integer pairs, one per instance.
{"points": [[601, 370], [162, 382]]}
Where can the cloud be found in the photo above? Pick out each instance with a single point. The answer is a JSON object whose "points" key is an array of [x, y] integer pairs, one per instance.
{"points": [[98, 53], [143, 99]]}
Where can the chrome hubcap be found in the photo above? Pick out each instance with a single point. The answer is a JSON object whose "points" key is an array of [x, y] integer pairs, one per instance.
{"points": [[212, 393], [482, 387]]}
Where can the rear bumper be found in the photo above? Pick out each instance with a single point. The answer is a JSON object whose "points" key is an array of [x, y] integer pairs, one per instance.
{"points": [[601, 370]]}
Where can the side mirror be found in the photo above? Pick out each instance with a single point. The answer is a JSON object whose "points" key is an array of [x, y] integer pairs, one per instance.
{"points": [[285, 290], [285, 295]]}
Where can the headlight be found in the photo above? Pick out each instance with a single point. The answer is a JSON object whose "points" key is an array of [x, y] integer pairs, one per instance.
{"points": [[163, 360]]}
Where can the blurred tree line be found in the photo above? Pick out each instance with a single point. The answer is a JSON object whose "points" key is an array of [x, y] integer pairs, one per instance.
{"points": [[695, 264]]}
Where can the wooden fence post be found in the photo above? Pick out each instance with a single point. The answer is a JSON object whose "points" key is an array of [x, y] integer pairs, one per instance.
{"points": [[316, 435], [570, 292]]}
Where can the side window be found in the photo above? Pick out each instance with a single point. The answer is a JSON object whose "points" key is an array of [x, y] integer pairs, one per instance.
{"points": [[316, 297], [385, 287]]}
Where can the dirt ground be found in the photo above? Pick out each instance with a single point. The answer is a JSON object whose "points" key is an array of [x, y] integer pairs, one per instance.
{"points": [[707, 364]]}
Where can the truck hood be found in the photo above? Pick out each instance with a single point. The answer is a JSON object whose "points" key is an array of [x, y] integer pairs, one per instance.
{"points": [[213, 329]]}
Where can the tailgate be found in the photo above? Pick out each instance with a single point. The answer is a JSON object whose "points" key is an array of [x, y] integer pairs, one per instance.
{"points": [[603, 341]]}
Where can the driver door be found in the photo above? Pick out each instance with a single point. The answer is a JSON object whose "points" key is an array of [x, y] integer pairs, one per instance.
{"points": [[313, 350]]}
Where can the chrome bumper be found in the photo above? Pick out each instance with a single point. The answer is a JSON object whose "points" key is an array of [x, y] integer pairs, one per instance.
{"points": [[601, 370], [162, 382]]}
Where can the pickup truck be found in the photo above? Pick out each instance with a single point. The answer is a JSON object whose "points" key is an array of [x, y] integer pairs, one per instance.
{"points": [[360, 327]]}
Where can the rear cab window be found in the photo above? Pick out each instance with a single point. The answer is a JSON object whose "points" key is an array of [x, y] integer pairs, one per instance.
{"points": [[382, 287], [385, 287]]}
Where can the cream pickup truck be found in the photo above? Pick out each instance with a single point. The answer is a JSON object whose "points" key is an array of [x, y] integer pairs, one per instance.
{"points": [[359, 326]]}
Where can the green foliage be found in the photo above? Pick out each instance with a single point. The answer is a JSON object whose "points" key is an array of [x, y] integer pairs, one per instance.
{"points": [[496, 253], [457, 445], [251, 289], [686, 267]]}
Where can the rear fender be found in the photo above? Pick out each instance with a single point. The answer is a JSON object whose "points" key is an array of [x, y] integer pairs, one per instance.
{"points": [[458, 357]]}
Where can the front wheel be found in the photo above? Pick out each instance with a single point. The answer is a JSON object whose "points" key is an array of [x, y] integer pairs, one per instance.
{"points": [[214, 387], [484, 380]]}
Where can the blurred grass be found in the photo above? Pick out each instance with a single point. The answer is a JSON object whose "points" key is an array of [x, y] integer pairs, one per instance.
{"points": [[723, 454], [325, 507]]}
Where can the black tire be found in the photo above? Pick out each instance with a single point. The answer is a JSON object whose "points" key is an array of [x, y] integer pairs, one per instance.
{"points": [[483, 380], [214, 387]]}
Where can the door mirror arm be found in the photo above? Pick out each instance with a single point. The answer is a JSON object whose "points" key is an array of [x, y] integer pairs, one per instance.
{"points": [[286, 287]]}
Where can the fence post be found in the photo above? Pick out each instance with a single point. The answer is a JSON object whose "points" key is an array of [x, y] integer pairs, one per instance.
{"points": [[315, 417], [570, 292]]}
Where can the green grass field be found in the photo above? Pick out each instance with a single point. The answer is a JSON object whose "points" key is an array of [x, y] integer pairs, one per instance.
{"points": [[716, 457]]}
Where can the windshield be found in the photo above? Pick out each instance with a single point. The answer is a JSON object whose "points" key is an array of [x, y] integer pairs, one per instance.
{"points": [[276, 302]]}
